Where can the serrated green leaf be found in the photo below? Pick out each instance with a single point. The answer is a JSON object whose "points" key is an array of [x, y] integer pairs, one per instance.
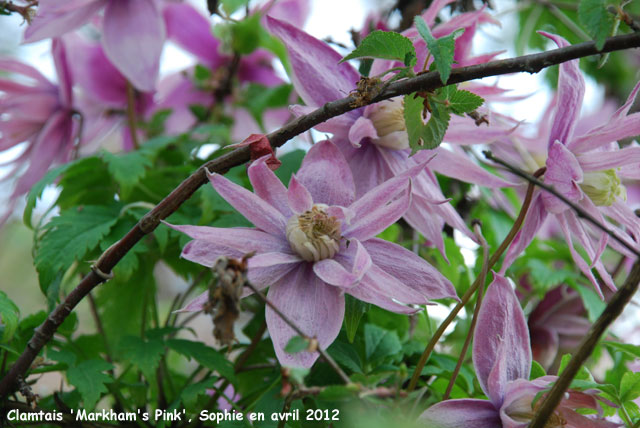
{"points": [[630, 386], [144, 353], [37, 189], [424, 136], [631, 350], [127, 169], [208, 357], [385, 45], [296, 344], [536, 370], [441, 49], [86, 182], [380, 343], [345, 355], [353, 311], [89, 380], [462, 101], [69, 237], [593, 14], [9, 316]]}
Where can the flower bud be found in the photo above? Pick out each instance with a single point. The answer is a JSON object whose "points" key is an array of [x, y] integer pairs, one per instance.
{"points": [[388, 119], [603, 187], [314, 235]]}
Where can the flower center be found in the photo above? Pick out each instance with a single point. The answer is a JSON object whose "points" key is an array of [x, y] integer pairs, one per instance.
{"points": [[388, 119], [314, 235], [603, 187]]}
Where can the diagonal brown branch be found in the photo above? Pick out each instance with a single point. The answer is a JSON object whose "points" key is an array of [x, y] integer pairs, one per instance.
{"points": [[424, 82]]}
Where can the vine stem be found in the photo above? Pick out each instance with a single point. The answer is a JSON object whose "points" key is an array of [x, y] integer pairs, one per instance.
{"points": [[467, 296], [611, 312], [427, 81], [131, 115]]}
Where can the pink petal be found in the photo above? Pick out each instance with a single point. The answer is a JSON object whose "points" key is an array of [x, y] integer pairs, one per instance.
{"points": [[192, 32], [269, 187], [536, 215], [563, 173], [14, 66], [570, 94], [133, 37], [65, 83], [435, 7], [55, 18], [326, 175], [462, 168], [369, 225], [317, 75], [300, 199], [410, 269], [361, 129], [614, 130], [241, 239], [196, 304], [463, 413], [598, 161], [263, 215], [501, 347], [315, 307], [355, 263], [294, 12]]}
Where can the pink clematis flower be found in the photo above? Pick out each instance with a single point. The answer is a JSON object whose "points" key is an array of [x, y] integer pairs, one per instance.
{"points": [[586, 170], [133, 32], [557, 325], [316, 241], [39, 114], [374, 138], [502, 360]]}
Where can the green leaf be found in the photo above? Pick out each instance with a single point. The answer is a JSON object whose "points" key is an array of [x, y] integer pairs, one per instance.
{"points": [[592, 302], [231, 6], [127, 169], [69, 237], [353, 311], [89, 380], [208, 357], [380, 343], [630, 386], [464, 101], [296, 344], [583, 372], [593, 14], [631, 350], [37, 189], [246, 35], [145, 354], [345, 355], [536, 370], [385, 45], [9, 316], [86, 182], [424, 136], [441, 49]]}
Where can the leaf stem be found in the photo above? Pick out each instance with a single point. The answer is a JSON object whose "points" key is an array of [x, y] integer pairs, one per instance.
{"points": [[132, 121]]}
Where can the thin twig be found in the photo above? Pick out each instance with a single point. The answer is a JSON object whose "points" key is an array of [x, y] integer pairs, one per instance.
{"points": [[483, 276], [427, 81], [301, 333], [132, 121], [467, 296], [579, 210], [611, 312]]}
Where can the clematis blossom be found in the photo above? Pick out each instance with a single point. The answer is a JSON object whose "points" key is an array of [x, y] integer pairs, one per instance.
{"points": [[374, 139], [133, 32], [586, 169], [315, 241], [39, 113], [502, 361]]}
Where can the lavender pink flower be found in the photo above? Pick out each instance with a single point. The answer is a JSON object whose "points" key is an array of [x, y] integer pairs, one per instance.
{"points": [[586, 169], [39, 113], [502, 360], [316, 241], [133, 32], [374, 139]]}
